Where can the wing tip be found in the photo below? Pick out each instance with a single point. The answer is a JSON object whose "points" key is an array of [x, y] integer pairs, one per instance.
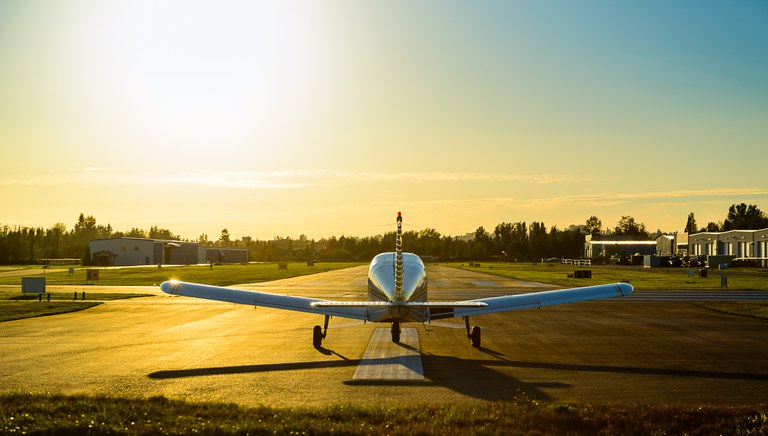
{"points": [[625, 288], [170, 286]]}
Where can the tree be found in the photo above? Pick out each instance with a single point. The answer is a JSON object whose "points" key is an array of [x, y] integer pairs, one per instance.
{"points": [[481, 244], [85, 230], [690, 226], [53, 241], [481, 234], [158, 233], [224, 238], [628, 226], [429, 241], [309, 251], [84, 223], [593, 226], [136, 233], [567, 243], [712, 227], [502, 238], [538, 240], [519, 240], [745, 217]]}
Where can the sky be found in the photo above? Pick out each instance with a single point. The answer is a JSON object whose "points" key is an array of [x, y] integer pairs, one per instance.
{"points": [[328, 117]]}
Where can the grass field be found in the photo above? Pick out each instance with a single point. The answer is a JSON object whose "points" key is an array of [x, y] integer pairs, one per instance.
{"points": [[220, 275], [640, 278], [66, 296], [644, 279], [22, 413], [14, 305], [56, 414], [12, 310], [223, 275], [745, 308]]}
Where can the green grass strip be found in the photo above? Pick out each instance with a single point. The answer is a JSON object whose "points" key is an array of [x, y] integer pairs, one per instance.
{"points": [[641, 278], [754, 309], [22, 413], [68, 296], [13, 310], [219, 275]]}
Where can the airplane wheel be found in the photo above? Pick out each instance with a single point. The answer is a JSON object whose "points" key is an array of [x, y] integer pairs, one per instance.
{"points": [[475, 337], [317, 336], [395, 332]]}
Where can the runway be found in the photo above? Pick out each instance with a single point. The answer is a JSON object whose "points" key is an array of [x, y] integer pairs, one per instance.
{"points": [[385, 360], [622, 350]]}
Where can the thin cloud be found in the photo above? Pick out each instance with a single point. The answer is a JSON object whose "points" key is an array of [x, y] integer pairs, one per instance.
{"points": [[464, 177], [229, 182], [237, 180], [286, 179], [615, 198]]}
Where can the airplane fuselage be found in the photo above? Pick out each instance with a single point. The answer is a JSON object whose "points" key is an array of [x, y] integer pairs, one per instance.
{"points": [[382, 286]]}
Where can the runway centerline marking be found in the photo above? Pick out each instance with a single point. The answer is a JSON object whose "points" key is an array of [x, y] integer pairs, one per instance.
{"points": [[386, 360]]}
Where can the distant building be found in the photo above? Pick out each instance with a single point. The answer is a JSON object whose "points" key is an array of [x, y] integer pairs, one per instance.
{"points": [[675, 244], [616, 245], [142, 251], [743, 244]]}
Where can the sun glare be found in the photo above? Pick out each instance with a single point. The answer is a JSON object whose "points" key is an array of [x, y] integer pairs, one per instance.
{"points": [[202, 86]]}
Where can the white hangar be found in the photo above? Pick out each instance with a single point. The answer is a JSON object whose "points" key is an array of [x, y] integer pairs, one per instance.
{"points": [[750, 245], [141, 251]]}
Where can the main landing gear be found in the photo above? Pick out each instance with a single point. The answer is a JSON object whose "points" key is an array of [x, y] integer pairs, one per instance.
{"points": [[319, 333], [473, 334]]}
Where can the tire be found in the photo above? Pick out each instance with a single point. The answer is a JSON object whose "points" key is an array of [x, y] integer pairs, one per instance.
{"points": [[475, 337], [317, 336], [395, 332]]}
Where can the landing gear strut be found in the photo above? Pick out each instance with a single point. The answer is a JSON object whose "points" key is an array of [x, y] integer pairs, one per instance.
{"points": [[395, 332], [473, 334], [319, 333]]}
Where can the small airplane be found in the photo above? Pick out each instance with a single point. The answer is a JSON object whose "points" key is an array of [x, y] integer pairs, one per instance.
{"points": [[397, 293]]}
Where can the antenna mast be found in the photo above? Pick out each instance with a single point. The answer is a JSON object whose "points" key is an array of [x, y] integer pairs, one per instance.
{"points": [[399, 259]]}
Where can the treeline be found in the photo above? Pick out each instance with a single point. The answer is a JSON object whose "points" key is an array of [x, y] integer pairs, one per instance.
{"points": [[26, 245], [740, 217], [507, 241]]}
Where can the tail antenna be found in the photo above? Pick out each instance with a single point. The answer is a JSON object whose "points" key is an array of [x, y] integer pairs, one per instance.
{"points": [[399, 259]]}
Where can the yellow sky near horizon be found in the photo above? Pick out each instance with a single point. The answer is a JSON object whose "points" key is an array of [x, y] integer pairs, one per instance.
{"points": [[326, 118]]}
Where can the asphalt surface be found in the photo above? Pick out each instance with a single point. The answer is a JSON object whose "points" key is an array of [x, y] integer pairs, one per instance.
{"points": [[656, 349]]}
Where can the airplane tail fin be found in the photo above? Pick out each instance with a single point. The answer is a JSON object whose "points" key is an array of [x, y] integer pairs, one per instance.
{"points": [[399, 259]]}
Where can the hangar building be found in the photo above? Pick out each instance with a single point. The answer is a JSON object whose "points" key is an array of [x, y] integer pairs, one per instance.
{"points": [[612, 245], [743, 244], [141, 251], [675, 244]]}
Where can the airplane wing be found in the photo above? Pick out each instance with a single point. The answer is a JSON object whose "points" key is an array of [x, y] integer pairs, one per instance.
{"points": [[263, 299], [538, 299], [360, 309]]}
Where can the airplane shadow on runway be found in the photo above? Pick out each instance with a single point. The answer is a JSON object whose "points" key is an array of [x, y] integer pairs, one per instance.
{"points": [[465, 376], [470, 377], [477, 378]]}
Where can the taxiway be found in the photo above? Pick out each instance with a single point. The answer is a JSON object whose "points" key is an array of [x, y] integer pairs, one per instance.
{"points": [[622, 350]]}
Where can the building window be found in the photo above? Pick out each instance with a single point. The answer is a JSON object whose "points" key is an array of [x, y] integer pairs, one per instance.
{"points": [[122, 248], [135, 248]]}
